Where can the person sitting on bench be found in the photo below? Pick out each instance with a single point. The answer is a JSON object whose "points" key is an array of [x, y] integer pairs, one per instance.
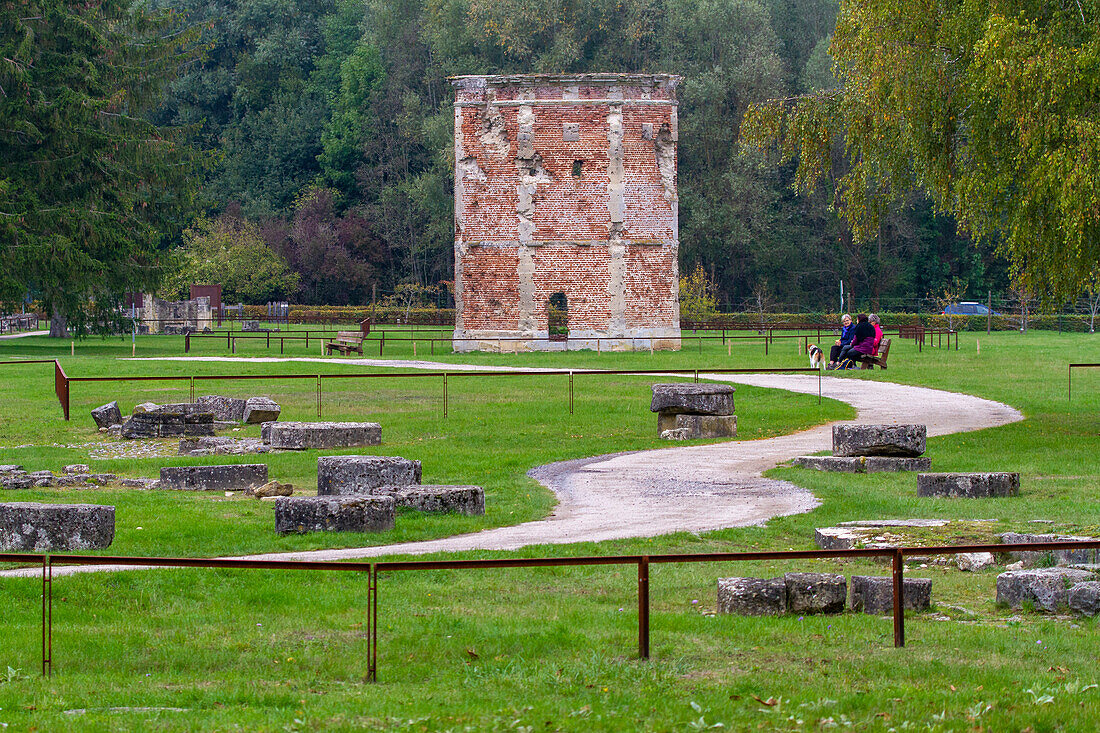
{"points": [[845, 339], [863, 343], [873, 318]]}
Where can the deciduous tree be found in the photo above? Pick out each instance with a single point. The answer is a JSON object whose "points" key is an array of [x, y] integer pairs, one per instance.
{"points": [[987, 108]]}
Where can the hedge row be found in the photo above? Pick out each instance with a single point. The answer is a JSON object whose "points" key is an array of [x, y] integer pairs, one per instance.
{"points": [[445, 317]]}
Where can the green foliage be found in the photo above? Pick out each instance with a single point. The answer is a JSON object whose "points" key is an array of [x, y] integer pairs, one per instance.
{"points": [[89, 188], [989, 110], [232, 253]]}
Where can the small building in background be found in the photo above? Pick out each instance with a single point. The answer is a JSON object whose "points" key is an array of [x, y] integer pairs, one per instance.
{"points": [[566, 212]]}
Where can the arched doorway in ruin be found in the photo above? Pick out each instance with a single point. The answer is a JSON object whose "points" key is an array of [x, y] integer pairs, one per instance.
{"points": [[557, 317]]}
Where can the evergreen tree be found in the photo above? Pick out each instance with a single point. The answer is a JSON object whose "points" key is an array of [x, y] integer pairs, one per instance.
{"points": [[89, 188]]}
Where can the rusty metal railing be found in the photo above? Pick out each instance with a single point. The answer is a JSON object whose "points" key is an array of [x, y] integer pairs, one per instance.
{"points": [[63, 381], [1069, 381], [642, 562]]}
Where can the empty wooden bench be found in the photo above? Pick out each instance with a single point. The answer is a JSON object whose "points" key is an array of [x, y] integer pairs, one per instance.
{"points": [[346, 342], [868, 362]]}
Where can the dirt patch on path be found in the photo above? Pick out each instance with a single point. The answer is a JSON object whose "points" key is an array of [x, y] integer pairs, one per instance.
{"points": [[690, 488]]}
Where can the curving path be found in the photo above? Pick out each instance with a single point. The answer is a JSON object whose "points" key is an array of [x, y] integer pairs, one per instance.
{"points": [[692, 488]]}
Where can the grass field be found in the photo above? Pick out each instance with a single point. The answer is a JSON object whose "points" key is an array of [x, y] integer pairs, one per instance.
{"points": [[550, 649]]}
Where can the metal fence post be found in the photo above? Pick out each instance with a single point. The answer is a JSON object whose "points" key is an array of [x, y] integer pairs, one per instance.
{"points": [[643, 607], [47, 616], [899, 599], [318, 395], [570, 391], [445, 406], [372, 673]]}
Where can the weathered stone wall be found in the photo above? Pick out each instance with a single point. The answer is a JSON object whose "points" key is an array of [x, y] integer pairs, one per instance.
{"points": [[566, 184], [175, 316]]}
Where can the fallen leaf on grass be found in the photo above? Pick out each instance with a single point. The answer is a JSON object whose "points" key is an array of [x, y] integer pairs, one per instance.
{"points": [[769, 702]]}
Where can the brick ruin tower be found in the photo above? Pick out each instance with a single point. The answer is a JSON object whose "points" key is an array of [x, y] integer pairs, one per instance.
{"points": [[566, 212]]}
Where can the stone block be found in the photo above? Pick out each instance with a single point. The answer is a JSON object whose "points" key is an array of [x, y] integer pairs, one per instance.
{"points": [[875, 594], [853, 464], [815, 592], [259, 410], [144, 407], [1084, 598], [1046, 588], [1054, 557], [265, 432], [879, 464], [968, 485], [342, 475], [693, 398], [237, 477], [863, 464], [228, 409], [752, 596], [676, 434], [697, 426], [107, 415], [10, 468], [77, 468], [879, 440], [448, 499], [20, 480], [271, 488], [169, 421], [303, 435], [30, 527], [302, 514], [41, 479]]}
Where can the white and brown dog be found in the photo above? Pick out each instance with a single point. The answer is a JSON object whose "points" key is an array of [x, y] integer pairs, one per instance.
{"points": [[817, 358]]}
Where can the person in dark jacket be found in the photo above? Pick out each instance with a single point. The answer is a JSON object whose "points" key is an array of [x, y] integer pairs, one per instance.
{"points": [[863, 342], [845, 338]]}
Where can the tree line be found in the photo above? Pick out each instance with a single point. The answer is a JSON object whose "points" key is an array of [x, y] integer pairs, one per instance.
{"points": [[303, 149], [348, 102]]}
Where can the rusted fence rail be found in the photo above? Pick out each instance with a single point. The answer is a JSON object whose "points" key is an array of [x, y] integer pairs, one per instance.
{"points": [[1069, 382], [641, 562], [63, 381]]}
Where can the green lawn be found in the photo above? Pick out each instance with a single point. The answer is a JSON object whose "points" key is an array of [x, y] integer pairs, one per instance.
{"points": [[552, 649]]}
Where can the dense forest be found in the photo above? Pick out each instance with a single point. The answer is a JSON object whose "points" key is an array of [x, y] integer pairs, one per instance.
{"points": [[330, 122]]}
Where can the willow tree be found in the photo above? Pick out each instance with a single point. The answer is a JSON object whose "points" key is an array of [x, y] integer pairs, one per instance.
{"points": [[991, 108], [88, 186]]}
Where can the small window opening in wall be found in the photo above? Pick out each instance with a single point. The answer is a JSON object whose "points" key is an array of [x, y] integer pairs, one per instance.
{"points": [[577, 165], [557, 316]]}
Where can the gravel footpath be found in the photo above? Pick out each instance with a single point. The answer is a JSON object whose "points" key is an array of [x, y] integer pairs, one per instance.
{"points": [[688, 488]]}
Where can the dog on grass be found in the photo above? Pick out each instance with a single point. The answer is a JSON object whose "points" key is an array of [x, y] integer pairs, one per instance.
{"points": [[817, 359]]}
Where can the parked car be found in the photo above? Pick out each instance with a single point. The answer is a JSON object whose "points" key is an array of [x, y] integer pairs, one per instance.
{"points": [[967, 308]]}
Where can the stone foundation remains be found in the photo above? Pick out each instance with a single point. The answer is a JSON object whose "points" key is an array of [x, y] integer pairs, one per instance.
{"points": [[304, 435], [167, 421], [347, 475], [30, 527], [968, 485], [875, 594], [238, 477], [301, 514]]}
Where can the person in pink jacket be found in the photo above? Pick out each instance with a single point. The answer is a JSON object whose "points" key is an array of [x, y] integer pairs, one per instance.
{"points": [[873, 318]]}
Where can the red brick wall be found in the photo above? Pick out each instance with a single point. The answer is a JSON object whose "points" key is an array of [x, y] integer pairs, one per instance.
{"points": [[572, 226]]}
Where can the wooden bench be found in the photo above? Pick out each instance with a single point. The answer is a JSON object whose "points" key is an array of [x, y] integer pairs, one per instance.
{"points": [[346, 342], [868, 362]]}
